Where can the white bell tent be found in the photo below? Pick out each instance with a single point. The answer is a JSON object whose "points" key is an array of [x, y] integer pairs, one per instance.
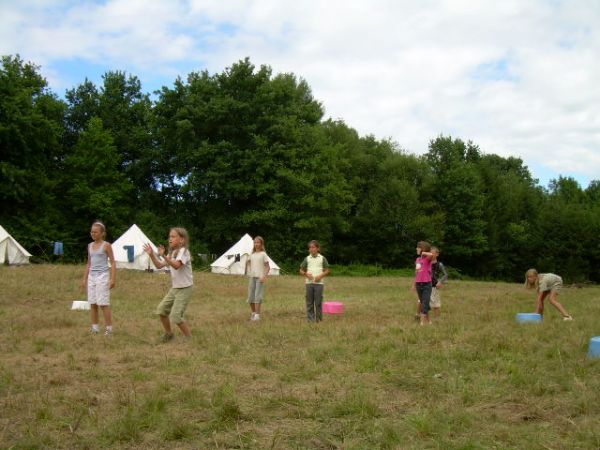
{"points": [[129, 250], [233, 261], [11, 252]]}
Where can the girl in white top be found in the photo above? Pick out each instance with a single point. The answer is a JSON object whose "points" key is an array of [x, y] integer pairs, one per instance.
{"points": [[173, 305], [99, 278], [257, 268]]}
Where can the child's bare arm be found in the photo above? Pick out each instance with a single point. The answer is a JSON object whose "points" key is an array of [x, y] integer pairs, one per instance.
{"points": [[323, 274], [158, 263], [113, 266]]}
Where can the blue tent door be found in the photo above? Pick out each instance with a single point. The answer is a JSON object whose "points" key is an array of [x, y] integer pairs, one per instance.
{"points": [[130, 252]]}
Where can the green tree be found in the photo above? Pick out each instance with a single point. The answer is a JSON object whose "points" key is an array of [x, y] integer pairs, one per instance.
{"points": [[569, 226], [93, 185], [388, 214], [512, 204], [127, 113], [458, 192], [243, 151], [30, 148]]}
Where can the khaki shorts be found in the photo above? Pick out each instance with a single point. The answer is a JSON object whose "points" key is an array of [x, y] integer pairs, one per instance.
{"points": [[175, 303], [436, 298]]}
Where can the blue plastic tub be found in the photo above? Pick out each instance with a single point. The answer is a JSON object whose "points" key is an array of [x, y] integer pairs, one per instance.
{"points": [[529, 317], [594, 350]]}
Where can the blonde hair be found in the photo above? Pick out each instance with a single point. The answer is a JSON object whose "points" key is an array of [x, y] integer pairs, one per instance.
{"points": [[436, 249], [262, 244], [99, 224], [532, 284], [182, 232]]}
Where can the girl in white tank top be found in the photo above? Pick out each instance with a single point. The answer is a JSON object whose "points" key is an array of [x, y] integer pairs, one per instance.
{"points": [[99, 278]]}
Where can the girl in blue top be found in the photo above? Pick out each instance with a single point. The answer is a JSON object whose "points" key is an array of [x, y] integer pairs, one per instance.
{"points": [[99, 278]]}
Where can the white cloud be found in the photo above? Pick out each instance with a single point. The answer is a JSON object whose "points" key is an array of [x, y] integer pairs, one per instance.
{"points": [[516, 77]]}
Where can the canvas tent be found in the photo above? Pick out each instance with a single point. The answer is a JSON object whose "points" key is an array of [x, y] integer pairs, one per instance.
{"points": [[129, 250], [11, 251], [233, 261]]}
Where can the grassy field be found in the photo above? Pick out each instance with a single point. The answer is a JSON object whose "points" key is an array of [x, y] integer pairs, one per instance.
{"points": [[371, 379]]}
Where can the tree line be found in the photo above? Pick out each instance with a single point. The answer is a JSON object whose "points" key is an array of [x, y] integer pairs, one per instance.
{"points": [[247, 150]]}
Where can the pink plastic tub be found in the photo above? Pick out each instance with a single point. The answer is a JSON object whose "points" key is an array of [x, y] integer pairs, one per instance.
{"points": [[333, 307]]}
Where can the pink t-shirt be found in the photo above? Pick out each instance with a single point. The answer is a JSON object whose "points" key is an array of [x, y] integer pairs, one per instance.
{"points": [[423, 270]]}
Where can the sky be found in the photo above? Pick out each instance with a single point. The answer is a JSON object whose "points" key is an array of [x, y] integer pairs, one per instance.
{"points": [[517, 77]]}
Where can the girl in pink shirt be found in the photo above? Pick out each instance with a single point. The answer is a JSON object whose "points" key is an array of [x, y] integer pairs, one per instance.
{"points": [[423, 279]]}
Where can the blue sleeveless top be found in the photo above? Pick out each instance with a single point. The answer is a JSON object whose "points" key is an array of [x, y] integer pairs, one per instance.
{"points": [[98, 259]]}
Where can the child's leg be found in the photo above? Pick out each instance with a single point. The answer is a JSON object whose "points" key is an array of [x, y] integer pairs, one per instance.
{"points": [[557, 305], [164, 309], [166, 323], [425, 299], [252, 294], [436, 301], [106, 312], [310, 302], [319, 301], [94, 313], [182, 298], [91, 297], [259, 294], [185, 329]]}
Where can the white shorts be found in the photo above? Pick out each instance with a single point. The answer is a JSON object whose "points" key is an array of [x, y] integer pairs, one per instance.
{"points": [[436, 298], [98, 289]]}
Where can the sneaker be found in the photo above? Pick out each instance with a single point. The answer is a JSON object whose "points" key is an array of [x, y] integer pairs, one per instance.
{"points": [[108, 333], [256, 317], [567, 318], [94, 331], [166, 338], [252, 316]]}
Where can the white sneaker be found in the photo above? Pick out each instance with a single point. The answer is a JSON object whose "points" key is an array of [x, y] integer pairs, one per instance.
{"points": [[567, 318], [252, 316], [108, 333], [256, 316]]}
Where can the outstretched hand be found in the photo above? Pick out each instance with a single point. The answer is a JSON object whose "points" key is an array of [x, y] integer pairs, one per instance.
{"points": [[148, 249]]}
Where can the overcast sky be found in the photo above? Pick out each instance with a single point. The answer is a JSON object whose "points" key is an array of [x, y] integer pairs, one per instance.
{"points": [[517, 77]]}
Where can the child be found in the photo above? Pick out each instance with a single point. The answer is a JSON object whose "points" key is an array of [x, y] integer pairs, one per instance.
{"points": [[439, 276], [314, 267], [546, 284], [258, 265], [97, 279], [423, 279], [173, 305]]}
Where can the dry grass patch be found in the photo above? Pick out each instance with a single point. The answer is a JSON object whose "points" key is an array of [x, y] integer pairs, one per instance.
{"points": [[369, 379]]}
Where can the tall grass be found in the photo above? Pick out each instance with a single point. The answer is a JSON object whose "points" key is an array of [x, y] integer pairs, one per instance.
{"points": [[370, 379]]}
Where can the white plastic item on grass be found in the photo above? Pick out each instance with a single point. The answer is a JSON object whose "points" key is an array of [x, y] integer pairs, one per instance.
{"points": [[80, 304]]}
